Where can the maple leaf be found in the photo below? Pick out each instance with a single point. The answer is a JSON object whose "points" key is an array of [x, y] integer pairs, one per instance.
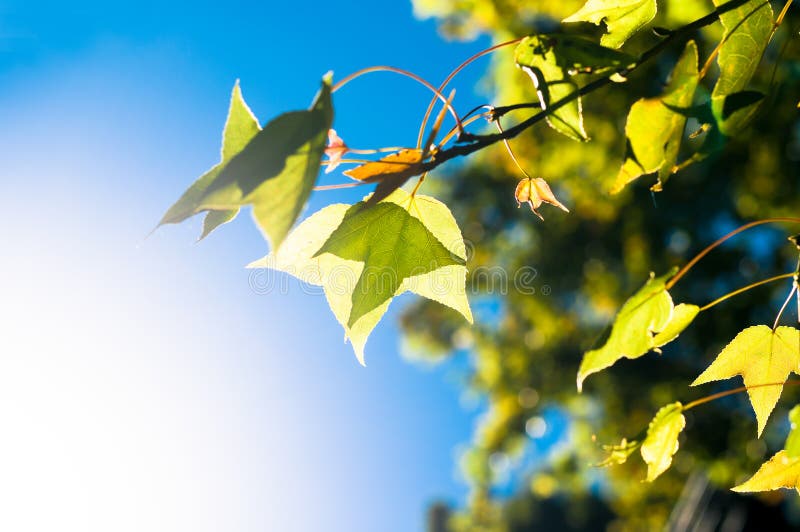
{"points": [[298, 257], [764, 358], [781, 471], [392, 244], [240, 128]]}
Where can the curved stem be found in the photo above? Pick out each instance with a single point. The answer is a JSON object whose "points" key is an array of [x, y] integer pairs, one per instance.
{"points": [[740, 389], [339, 186], [785, 304], [716, 244], [383, 68], [509, 150], [452, 133], [746, 288], [450, 77]]}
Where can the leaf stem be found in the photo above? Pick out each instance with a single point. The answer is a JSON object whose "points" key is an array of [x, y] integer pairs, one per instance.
{"points": [[509, 150], [722, 240], [785, 304], [740, 389], [383, 68], [746, 288], [781, 16]]}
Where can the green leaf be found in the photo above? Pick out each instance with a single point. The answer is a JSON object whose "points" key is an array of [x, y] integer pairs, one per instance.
{"points": [[240, 127], [748, 29], [276, 171], [654, 129], [747, 32], [734, 112], [618, 454], [647, 321], [550, 60], [782, 471], [661, 442], [214, 219], [682, 316], [793, 440], [623, 18], [764, 359], [536, 56], [393, 244], [298, 257]]}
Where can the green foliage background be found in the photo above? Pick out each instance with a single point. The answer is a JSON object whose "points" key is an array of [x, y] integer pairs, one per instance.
{"points": [[612, 243]]}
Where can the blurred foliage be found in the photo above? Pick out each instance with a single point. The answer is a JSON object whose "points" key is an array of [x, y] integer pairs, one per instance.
{"points": [[524, 356]]}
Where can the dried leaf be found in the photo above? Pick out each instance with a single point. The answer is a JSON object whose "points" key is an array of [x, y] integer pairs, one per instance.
{"points": [[534, 192]]}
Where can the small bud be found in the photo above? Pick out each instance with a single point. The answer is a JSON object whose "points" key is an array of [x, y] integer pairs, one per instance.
{"points": [[335, 150]]}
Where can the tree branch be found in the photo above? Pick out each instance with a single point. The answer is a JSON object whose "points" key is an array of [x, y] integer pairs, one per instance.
{"points": [[470, 143]]}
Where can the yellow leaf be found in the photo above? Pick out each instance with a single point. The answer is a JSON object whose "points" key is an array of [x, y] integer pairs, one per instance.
{"points": [[781, 471], [661, 442], [647, 321], [764, 358]]}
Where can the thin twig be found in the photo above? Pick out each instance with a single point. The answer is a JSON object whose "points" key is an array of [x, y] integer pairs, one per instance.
{"points": [[746, 288], [720, 241], [384, 68]]}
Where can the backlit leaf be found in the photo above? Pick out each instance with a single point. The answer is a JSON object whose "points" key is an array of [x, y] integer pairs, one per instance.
{"points": [[792, 446], [747, 32], [782, 471], [550, 61], [636, 328], [654, 129], [621, 17], [338, 276], [240, 127], [276, 171], [734, 112], [682, 316], [393, 244], [762, 357], [661, 442]]}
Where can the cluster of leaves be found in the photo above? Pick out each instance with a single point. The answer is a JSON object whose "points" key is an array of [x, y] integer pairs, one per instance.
{"points": [[394, 241]]}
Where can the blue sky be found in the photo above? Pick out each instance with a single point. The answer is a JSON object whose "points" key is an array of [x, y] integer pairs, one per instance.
{"points": [[143, 384]]}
